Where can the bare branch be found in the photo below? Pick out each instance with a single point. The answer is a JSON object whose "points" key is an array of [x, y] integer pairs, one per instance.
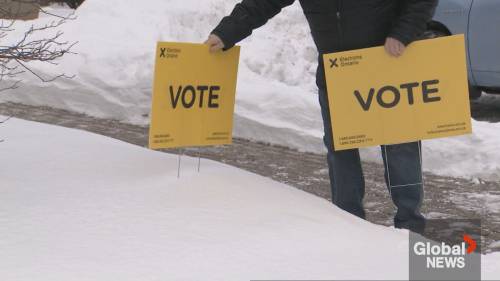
{"points": [[5, 120], [16, 55]]}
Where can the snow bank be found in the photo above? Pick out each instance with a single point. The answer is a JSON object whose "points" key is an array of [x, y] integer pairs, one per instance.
{"points": [[79, 206], [276, 100]]}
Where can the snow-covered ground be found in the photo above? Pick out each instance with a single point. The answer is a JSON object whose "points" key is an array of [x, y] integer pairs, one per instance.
{"points": [[276, 100], [79, 206]]}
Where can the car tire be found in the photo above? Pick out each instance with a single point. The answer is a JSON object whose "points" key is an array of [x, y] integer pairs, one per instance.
{"points": [[474, 92], [431, 34]]}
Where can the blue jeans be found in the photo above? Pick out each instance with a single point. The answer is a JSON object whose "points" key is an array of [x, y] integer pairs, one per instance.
{"points": [[403, 176]]}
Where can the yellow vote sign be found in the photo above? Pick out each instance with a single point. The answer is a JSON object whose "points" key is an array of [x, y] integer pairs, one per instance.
{"points": [[193, 96], [377, 99]]}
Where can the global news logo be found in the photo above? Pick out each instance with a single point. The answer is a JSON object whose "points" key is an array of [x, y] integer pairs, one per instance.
{"points": [[444, 256]]}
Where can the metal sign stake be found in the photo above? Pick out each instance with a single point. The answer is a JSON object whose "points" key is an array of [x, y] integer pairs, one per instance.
{"points": [[389, 174], [199, 159], [179, 164]]}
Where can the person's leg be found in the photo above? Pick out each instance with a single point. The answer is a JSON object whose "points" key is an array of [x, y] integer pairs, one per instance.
{"points": [[346, 175], [403, 175]]}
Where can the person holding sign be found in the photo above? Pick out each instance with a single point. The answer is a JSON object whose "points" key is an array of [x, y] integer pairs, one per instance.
{"points": [[342, 25]]}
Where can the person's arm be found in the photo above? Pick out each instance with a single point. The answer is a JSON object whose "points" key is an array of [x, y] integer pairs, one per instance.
{"points": [[246, 16], [413, 19]]}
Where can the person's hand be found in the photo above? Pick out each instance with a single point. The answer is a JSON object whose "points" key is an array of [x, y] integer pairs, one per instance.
{"points": [[214, 43], [394, 47]]}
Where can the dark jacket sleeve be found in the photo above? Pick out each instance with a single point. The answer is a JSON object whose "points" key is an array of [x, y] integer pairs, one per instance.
{"points": [[247, 16], [413, 19]]}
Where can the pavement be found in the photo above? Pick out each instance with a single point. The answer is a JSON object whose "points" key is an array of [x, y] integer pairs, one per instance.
{"points": [[446, 197]]}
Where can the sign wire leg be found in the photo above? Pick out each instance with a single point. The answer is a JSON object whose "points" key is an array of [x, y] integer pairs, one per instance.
{"points": [[199, 159], [387, 169], [179, 164], [404, 185], [421, 163]]}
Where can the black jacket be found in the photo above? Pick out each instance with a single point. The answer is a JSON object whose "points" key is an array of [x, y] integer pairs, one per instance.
{"points": [[336, 25]]}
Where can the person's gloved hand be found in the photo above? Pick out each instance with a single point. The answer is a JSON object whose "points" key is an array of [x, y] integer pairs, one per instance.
{"points": [[214, 43], [393, 47]]}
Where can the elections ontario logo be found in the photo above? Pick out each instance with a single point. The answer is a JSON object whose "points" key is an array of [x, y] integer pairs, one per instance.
{"points": [[345, 61], [446, 250]]}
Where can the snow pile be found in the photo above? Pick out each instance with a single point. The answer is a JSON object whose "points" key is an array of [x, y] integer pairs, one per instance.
{"points": [[276, 99], [79, 206]]}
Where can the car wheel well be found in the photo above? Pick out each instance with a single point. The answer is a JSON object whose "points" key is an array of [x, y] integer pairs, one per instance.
{"points": [[437, 26]]}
